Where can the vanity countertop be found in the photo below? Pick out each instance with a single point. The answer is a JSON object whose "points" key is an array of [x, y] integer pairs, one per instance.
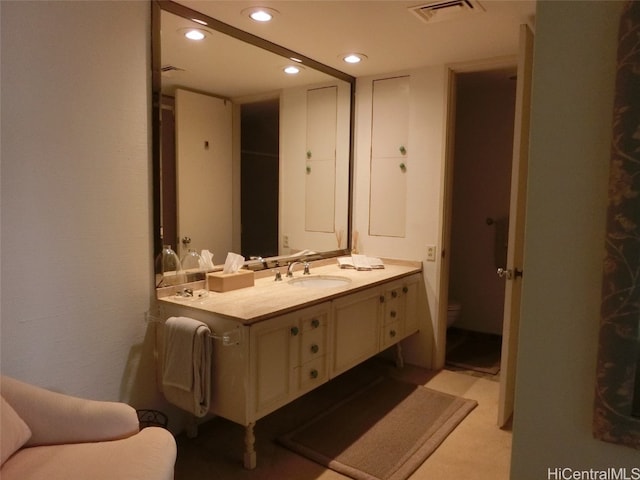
{"points": [[268, 298]]}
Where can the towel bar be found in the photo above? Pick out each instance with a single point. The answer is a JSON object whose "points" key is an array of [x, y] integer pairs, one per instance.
{"points": [[229, 338]]}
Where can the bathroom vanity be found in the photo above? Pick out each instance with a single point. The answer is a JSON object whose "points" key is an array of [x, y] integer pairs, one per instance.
{"points": [[277, 340]]}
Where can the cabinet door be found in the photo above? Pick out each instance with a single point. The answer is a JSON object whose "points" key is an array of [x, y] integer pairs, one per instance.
{"points": [[356, 329], [321, 159], [389, 157], [390, 127], [274, 353], [410, 294]]}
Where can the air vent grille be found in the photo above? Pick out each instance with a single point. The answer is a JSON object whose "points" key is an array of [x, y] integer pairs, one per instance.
{"points": [[446, 10]]}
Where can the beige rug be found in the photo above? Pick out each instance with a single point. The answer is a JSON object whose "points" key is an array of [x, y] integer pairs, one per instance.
{"points": [[382, 432]]}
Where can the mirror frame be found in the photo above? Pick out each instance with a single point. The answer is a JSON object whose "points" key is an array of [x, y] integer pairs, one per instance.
{"points": [[157, 6]]}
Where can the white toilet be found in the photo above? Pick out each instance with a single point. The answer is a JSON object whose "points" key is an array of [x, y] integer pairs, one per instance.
{"points": [[453, 312]]}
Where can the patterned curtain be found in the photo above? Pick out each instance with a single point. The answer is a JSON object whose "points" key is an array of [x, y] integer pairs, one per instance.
{"points": [[618, 370]]}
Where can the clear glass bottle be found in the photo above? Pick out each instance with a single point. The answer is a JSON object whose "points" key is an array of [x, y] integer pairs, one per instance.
{"points": [[169, 268], [191, 261]]}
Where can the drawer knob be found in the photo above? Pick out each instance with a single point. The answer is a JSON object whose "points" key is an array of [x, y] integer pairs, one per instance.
{"points": [[315, 323], [394, 294], [393, 314], [381, 298], [295, 331], [313, 373], [315, 348], [392, 333], [405, 289]]}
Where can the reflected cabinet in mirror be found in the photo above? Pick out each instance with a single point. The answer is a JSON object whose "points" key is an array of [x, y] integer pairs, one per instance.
{"points": [[248, 159]]}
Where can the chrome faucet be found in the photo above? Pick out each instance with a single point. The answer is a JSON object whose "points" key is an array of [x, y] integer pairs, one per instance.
{"points": [[292, 264]]}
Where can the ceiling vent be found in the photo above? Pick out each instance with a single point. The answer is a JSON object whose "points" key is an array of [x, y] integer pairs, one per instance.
{"points": [[446, 10]]}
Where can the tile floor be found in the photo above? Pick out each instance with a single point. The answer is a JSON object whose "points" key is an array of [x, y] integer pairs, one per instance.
{"points": [[476, 450]]}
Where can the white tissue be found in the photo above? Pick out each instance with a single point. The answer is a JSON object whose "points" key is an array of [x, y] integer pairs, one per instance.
{"points": [[206, 260], [233, 263]]}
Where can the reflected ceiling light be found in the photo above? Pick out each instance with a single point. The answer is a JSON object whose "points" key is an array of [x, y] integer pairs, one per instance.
{"points": [[194, 33], [292, 69], [295, 59], [260, 14], [354, 57], [201, 22]]}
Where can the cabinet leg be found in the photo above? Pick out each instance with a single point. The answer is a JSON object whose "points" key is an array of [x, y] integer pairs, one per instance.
{"points": [[192, 426], [249, 450], [399, 357]]}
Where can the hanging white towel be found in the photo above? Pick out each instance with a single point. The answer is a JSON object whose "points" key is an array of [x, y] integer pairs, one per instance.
{"points": [[186, 374]]}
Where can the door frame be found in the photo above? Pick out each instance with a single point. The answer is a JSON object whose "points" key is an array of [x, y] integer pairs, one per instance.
{"points": [[453, 70], [516, 241]]}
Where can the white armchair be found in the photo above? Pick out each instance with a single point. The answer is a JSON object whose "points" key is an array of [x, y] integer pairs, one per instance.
{"points": [[47, 435]]}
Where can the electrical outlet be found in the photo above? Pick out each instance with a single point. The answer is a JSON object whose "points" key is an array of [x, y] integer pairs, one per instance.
{"points": [[285, 241], [431, 253]]}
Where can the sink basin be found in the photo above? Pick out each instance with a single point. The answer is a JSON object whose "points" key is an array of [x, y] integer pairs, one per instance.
{"points": [[320, 281]]}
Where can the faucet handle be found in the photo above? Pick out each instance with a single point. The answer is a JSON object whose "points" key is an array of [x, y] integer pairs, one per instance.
{"points": [[306, 268], [278, 276]]}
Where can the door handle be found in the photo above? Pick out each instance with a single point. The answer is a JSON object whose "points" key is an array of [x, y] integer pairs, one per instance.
{"points": [[508, 273]]}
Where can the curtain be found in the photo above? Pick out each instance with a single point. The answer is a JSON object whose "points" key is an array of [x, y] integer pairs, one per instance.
{"points": [[615, 417]]}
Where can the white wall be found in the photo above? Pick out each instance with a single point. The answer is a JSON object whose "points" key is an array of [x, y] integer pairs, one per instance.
{"points": [[76, 226], [574, 74]]}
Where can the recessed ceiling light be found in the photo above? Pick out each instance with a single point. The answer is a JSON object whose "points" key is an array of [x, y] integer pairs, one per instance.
{"points": [[260, 14], [354, 57]]}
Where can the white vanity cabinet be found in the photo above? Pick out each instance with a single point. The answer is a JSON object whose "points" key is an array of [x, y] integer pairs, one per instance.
{"points": [[260, 364], [288, 357]]}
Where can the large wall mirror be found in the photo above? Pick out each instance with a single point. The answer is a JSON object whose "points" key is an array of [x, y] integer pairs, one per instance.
{"points": [[247, 158]]}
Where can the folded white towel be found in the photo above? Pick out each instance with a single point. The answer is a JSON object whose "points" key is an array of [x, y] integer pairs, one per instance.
{"points": [[186, 374]]}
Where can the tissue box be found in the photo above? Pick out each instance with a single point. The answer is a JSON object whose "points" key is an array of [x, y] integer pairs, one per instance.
{"points": [[225, 282]]}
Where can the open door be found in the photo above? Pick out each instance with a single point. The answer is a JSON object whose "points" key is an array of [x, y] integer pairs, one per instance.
{"points": [[512, 272]]}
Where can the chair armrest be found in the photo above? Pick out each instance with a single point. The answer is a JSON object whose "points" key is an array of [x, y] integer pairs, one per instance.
{"points": [[56, 418]]}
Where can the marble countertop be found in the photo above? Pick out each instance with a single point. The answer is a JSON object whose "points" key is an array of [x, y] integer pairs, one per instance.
{"points": [[268, 298]]}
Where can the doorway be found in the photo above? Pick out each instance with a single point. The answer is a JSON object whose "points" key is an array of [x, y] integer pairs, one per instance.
{"points": [[259, 177], [480, 200]]}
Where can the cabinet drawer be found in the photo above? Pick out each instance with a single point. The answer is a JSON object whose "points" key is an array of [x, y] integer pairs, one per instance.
{"points": [[314, 344], [392, 313], [313, 373], [314, 322], [391, 334]]}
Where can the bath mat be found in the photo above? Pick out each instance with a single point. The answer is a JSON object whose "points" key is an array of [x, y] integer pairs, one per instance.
{"points": [[385, 431], [475, 351]]}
